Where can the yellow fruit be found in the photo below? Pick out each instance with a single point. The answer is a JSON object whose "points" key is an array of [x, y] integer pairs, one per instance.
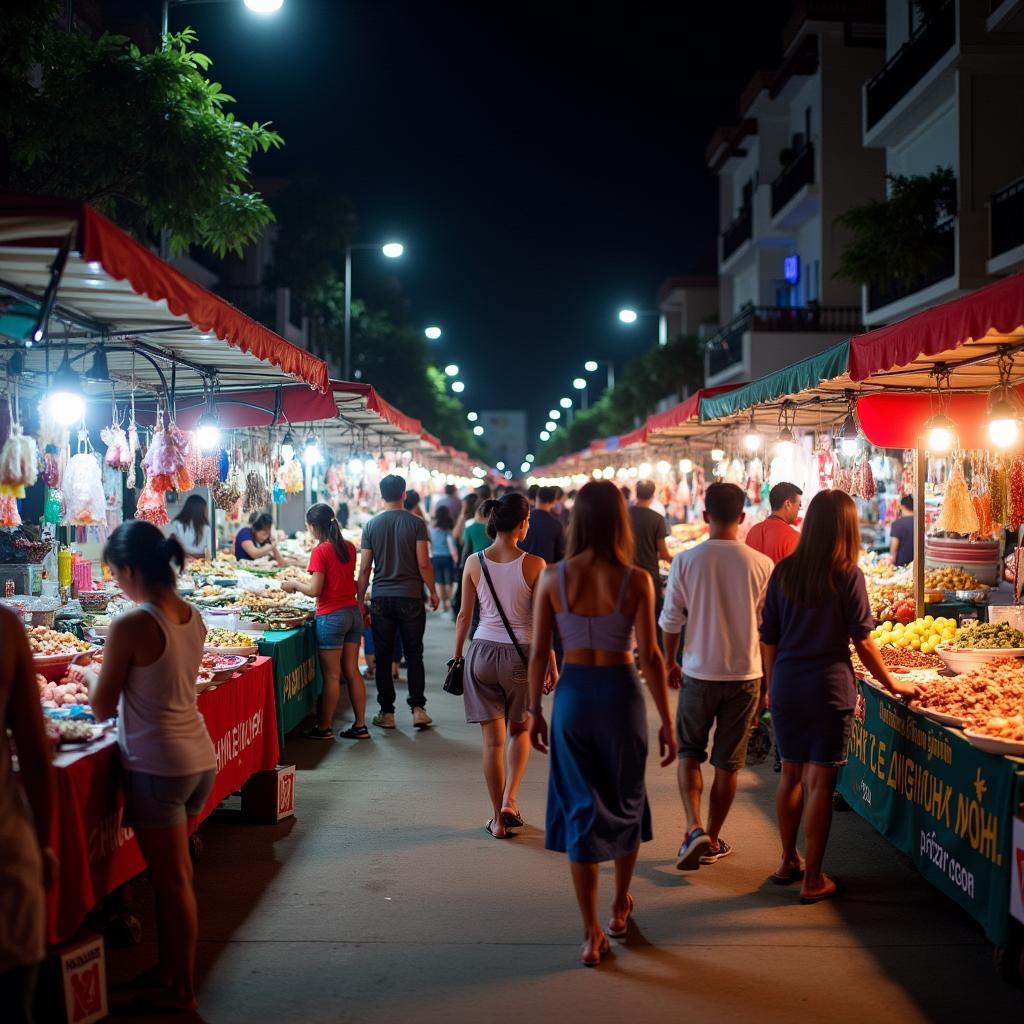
{"points": [[887, 625], [916, 644]]}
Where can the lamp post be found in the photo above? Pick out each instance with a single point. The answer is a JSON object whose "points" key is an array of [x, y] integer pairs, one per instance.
{"points": [[592, 365], [392, 250], [631, 316], [580, 385]]}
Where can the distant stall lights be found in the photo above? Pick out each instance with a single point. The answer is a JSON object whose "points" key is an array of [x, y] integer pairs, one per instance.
{"points": [[590, 366], [685, 465], [579, 384], [551, 426], [529, 458], [451, 370], [524, 468], [264, 6], [500, 466], [664, 467], [554, 414], [628, 316]]}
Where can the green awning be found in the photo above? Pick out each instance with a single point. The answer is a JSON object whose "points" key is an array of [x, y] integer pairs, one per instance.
{"points": [[806, 374]]}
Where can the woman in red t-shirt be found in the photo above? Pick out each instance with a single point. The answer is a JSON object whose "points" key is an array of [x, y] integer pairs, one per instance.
{"points": [[339, 622]]}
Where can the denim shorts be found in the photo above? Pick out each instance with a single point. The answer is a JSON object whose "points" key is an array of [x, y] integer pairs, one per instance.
{"points": [[444, 569], [334, 630], [162, 801]]}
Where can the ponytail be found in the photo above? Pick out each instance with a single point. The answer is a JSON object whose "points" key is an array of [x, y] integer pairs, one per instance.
{"points": [[326, 527], [505, 513], [139, 545]]}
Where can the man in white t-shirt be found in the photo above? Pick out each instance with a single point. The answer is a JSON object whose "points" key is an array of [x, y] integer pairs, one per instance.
{"points": [[716, 590]]}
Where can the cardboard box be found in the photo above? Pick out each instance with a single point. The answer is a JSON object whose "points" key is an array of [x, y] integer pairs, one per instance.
{"points": [[269, 797], [1017, 871], [73, 985]]}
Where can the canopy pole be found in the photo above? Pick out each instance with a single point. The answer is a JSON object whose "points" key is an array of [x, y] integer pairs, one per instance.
{"points": [[920, 464]]}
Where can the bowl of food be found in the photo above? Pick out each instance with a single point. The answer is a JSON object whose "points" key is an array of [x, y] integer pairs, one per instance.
{"points": [[968, 659], [230, 641], [940, 717], [93, 600], [52, 651], [1003, 736], [221, 666], [979, 596]]}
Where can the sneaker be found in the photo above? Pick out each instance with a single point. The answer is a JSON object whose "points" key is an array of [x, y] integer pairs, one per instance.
{"points": [[420, 718], [695, 844], [716, 852], [384, 719]]}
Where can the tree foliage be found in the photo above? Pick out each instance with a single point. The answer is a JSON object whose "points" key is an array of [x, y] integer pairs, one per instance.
{"points": [[661, 372], [146, 138], [898, 240]]}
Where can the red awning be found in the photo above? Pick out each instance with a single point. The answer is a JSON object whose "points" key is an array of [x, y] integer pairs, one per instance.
{"points": [[637, 436], [996, 308], [434, 442], [104, 253], [394, 416], [898, 420], [253, 408], [686, 410]]}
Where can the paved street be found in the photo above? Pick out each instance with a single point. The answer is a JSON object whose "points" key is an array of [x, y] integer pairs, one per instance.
{"points": [[384, 900]]}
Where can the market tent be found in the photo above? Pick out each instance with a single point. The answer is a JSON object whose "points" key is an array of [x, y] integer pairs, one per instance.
{"points": [[77, 270], [258, 407], [683, 420], [964, 336]]}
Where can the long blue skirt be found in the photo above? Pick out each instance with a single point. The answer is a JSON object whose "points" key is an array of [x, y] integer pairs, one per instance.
{"points": [[597, 800]]}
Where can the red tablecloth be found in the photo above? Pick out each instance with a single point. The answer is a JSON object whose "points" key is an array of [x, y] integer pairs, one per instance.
{"points": [[97, 850]]}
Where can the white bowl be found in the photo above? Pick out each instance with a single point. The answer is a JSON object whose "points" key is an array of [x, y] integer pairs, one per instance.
{"points": [[994, 745], [936, 716], [243, 651], [968, 659]]}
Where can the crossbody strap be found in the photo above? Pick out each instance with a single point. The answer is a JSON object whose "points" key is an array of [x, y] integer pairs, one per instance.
{"points": [[501, 611]]}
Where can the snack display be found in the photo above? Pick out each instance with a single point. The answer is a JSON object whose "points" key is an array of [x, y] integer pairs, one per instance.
{"points": [[977, 698], [951, 579], [230, 641], [70, 690], [75, 731], [267, 601], [989, 636], [221, 665], [293, 572], [45, 642], [924, 635]]}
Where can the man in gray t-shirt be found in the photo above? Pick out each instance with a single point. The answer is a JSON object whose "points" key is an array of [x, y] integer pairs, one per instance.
{"points": [[396, 547]]}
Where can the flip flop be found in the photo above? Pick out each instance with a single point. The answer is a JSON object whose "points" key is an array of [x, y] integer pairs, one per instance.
{"points": [[512, 819], [621, 933], [493, 834], [796, 875], [820, 898], [605, 948]]}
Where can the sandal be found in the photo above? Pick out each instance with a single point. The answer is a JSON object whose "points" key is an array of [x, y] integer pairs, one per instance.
{"points": [[355, 732], [602, 950], [512, 818], [620, 933], [796, 875], [822, 896], [316, 733], [494, 835]]}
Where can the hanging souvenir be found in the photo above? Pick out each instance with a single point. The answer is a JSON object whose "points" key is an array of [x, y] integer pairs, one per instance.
{"points": [[152, 506], [842, 480], [85, 503], [755, 477], [289, 476], [9, 515], [53, 507], [19, 459], [164, 458], [256, 496], [957, 514], [997, 491], [1015, 493], [867, 480], [223, 465], [278, 495], [119, 454]]}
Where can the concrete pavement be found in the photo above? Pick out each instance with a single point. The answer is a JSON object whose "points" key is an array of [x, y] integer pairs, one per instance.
{"points": [[384, 901]]}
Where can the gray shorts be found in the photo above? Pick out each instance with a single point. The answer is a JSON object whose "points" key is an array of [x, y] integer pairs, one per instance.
{"points": [[494, 683], [729, 705], [163, 801]]}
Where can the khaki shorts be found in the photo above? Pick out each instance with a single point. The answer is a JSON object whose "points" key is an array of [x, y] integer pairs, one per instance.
{"points": [[729, 705], [494, 683]]}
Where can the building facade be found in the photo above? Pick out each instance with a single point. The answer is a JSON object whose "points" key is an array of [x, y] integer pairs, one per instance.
{"points": [[504, 435], [792, 164]]}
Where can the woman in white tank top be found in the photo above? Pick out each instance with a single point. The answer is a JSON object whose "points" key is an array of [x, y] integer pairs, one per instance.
{"points": [[495, 686], [148, 677]]}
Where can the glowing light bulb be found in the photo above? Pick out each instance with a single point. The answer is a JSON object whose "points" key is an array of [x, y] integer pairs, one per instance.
{"points": [[663, 467], [752, 442], [940, 439], [717, 454], [686, 465], [850, 446]]}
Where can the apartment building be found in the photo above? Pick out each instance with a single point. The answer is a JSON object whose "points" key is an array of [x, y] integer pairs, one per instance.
{"points": [[791, 165], [951, 94], [686, 303]]}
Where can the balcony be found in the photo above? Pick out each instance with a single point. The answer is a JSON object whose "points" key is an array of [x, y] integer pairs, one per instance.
{"points": [[1007, 218], [795, 176], [738, 232], [910, 63], [944, 266]]}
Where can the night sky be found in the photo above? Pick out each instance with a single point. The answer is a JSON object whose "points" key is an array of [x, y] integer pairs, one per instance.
{"points": [[543, 163]]}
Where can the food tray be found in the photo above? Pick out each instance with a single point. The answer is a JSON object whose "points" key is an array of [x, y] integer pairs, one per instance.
{"points": [[244, 652], [937, 716], [233, 663], [993, 744], [967, 659]]}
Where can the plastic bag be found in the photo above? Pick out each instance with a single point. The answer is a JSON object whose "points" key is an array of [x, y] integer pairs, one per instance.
{"points": [[19, 463], [152, 507], [119, 454], [83, 492]]}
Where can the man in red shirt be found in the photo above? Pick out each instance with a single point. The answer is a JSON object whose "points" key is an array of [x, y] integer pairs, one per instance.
{"points": [[775, 537]]}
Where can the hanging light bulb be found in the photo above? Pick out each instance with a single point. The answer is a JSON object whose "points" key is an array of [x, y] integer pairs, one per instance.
{"points": [[851, 436], [686, 465], [717, 454], [663, 467], [786, 442], [66, 403], [288, 447], [1003, 427], [311, 451], [208, 431], [941, 433], [752, 439]]}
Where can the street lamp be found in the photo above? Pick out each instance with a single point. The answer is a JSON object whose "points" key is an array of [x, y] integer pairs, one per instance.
{"points": [[581, 386], [478, 430], [458, 387], [433, 333], [392, 250], [631, 316], [451, 370], [256, 6], [472, 417], [591, 365]]}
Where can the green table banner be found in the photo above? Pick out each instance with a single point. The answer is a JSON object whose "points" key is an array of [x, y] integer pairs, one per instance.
{"points": [[297, 678], [944, 803]]}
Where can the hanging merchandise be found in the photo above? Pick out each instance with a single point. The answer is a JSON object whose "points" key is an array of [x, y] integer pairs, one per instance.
{"points": [[53, 507], [867, 480], [51, 468], [825, 464], [755, 478], [997, 490], [83, 487], [256, 496], [204, 469], [223, 465], [278, 495], [164, 458], [842, 480], [226, 494], [289, 476], [119, 454], [9, 515], [152, 506], [1015, 493], [957, 514], [19, 459]]}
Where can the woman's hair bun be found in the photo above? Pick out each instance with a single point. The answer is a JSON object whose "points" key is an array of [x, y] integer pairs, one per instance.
{"points": [[488, 506], [505, 514]]}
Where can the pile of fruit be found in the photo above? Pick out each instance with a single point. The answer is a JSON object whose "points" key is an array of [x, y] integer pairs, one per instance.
{"points": [[886, 597], [989, 636], [951, 579], [70, 690], [228, 638], [45, 642], [922, 635], [977, 698]]}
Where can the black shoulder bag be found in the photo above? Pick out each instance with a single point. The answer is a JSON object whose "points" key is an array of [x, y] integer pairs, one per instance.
{"points": [[453, 681], [501, 611]]}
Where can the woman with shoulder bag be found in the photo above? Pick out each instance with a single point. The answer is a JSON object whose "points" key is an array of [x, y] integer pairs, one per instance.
{"points": [[495, 683]]}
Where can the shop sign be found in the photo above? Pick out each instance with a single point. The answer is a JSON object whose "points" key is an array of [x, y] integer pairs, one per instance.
{"points": [[791, 269], [83, 972], [944, 803], [1017, 882]]}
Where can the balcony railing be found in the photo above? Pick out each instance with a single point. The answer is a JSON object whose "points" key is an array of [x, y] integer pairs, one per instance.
{"points": [[943, 267], [910, 63], [1007, 213], [738, 232], [799, 172], [725, 348]]}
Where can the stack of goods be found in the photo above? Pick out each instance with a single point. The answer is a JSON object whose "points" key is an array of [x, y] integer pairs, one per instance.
{"points": [[289, 477], [45, 642], [951, 579], [69, 691]]}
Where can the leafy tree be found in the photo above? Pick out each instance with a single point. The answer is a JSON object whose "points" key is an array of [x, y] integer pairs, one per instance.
{"points": [[898, 240], [144, 137]]}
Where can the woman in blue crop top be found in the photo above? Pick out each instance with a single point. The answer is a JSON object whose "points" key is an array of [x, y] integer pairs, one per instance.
{"points": [[597, 800]]}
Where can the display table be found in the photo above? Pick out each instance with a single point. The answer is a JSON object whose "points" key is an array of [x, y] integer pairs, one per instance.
{"points": [[947, 805], [297, 677], [96, 849]]}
